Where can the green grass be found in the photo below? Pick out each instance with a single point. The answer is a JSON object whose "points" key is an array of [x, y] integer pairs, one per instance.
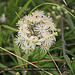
{"points": [[8, 32]]}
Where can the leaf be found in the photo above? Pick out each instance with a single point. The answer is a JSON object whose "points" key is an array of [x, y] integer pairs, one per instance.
{"points": [[5, 67], [69, 63], [70, 32], [12, 57], [10, 12], [42, 54], [70, 22], [69, 1], [36, 54], [2, 5], [9, 48], [47, 64], [20, 12], [0, 37], [17, 52], [12, 1], [70, 38], [11, 28], [25, 56], [33, 2], [73, 65]]}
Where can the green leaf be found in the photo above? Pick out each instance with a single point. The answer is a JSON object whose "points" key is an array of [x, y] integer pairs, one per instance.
{"points": [[73, 65], [4, 66], [16, 2], [70, 22], [69, 63], [9, 48], [8, 27], [20, 12], [12, 1], [70, 32], [26, 56], [42, 54], [17, 52], [10, 12], [51, 4], [2, 5], [0, 37], [12, 57], [47, 64], [69, 1], [36, 54], [70, 38], [33, 2], [2, 56]]}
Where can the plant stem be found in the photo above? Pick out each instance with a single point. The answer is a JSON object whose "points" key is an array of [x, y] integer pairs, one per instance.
{"points": [[39, 55], [63, 46], [26, 61], [53, 60], [65, 2]]}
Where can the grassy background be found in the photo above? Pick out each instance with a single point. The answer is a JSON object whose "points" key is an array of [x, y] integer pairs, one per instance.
{"points": [[8, 30]]}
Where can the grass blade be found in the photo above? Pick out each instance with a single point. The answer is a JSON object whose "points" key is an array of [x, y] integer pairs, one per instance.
{"points": [[70, 21], [8, 27], [20, 12], [26, 61], [68, 33], [17, 52], [0, 37], [69, 63], [3, 66]]}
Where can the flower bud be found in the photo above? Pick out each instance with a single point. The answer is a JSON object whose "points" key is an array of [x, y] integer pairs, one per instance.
{"points": [[48, 14], [3, 18], [72, 11], [61, 13], [53, 7], [17, 73], [59, 30], [58, 17], [55, 33], [63, 5], [58, 8], [67, 28], [53, 12], [72, 58], [65, 12]]}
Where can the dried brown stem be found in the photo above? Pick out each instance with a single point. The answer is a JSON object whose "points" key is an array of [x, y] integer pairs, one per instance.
{"points": [[63, 45], [27, 64], [26, 61], [65, 2], [53, 60], [18, 16]]}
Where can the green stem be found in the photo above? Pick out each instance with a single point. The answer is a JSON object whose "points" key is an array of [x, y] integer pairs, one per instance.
{"points": [[51, 4]]}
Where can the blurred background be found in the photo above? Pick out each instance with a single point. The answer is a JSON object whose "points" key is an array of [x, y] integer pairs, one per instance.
{"points": [[8, 31]]}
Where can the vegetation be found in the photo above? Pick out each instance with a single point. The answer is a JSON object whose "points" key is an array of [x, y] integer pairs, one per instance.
{"points": [[60, 58]]}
